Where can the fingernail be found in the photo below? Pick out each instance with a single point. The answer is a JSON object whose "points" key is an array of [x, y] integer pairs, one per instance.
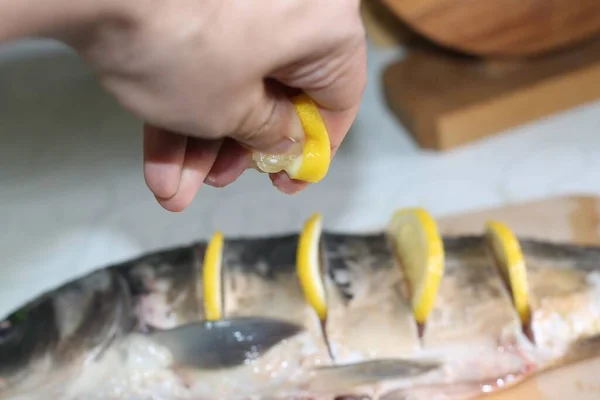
{"points": [[285, 149], [297, 131], [293, 144], [210, 179], [283, 152], [284, 146], [285, 185]]}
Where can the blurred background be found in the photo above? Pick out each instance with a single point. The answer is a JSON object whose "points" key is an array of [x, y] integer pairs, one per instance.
{"points": [[467, 107]]}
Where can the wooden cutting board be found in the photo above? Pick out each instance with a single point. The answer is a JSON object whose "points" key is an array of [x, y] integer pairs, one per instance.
{"points": [[570, 219], [446, 100]]}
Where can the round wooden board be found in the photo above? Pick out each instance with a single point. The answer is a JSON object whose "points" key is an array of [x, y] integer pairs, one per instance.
{"points": [[501, 27]]}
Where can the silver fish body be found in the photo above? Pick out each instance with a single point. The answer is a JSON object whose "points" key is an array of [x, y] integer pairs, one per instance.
{"points": [[136, 331]]}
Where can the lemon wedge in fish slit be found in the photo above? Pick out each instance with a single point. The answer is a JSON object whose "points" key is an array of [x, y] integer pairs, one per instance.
{"points": [[313, 163], [308, 265], [212, 278], [420, 251], [509, 258]]}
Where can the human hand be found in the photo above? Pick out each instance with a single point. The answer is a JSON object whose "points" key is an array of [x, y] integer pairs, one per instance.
{"points": [[210, 76], [201, 72]]}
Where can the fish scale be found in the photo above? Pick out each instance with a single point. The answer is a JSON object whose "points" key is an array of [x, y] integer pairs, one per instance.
{"points": [[371, 304]]}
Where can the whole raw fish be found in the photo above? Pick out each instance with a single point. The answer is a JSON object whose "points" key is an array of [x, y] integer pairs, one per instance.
{"points": [[136, 331]]}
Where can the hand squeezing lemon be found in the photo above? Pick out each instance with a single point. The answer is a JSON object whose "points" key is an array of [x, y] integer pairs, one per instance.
{"points": [[313, 163]]}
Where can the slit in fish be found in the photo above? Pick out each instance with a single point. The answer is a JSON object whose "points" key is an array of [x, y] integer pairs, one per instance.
{"points": [[405, 287], [323, 268], [222, 286], [526, 327], [198, 287]]}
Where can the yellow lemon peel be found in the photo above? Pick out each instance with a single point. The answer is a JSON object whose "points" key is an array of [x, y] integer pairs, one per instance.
{"points": [[211, 278], [420, 249], [312, 164], [308, 266], [507, 252]]}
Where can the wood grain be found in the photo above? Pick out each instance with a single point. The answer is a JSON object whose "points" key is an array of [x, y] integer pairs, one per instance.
{"points": [[560, 219], [572, 219], [501, 27], [447, 101]]}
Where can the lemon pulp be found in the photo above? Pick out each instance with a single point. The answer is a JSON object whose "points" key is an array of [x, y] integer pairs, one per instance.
{"points": [[308, 266], [507, 252], [420, 250], [211, 278]]}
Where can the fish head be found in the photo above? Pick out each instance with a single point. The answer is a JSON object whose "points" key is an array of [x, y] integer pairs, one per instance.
{"points": [[45, 343]]}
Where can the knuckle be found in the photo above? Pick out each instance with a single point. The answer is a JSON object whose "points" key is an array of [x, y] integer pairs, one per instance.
{"points": [[257, 123]]}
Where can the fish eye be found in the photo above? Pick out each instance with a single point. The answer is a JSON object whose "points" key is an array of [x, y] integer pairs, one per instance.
{"points": [[10, 327]]}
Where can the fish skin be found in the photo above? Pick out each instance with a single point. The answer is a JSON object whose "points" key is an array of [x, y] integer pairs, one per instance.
{"points": [[166, 286], [260, 280], [82, 328], [259, 271], [64, 330], [367, 298]]}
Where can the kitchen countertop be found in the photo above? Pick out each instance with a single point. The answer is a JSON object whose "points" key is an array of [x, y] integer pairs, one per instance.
{"points": [[73, 196]]}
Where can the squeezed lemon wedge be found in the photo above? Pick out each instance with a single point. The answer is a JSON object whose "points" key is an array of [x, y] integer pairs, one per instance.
{"points": [[507, 252], [420, 249], [211, 278], [313, 163], [308, 266]]}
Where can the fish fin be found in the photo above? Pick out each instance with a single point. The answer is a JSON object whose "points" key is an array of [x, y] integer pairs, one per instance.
{"points": [[333, 378], [224, 343]]}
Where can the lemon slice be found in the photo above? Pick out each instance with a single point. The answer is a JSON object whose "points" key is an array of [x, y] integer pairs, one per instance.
{"points": [[211, 278], [313, 163], [308, 266], [507, 252], [420, 250]]}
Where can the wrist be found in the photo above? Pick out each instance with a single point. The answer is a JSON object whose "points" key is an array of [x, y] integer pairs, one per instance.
{"points": [[59, 19]]}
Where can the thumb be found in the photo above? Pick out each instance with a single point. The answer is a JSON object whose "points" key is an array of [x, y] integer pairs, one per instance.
{"points": [[271, 125]]}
